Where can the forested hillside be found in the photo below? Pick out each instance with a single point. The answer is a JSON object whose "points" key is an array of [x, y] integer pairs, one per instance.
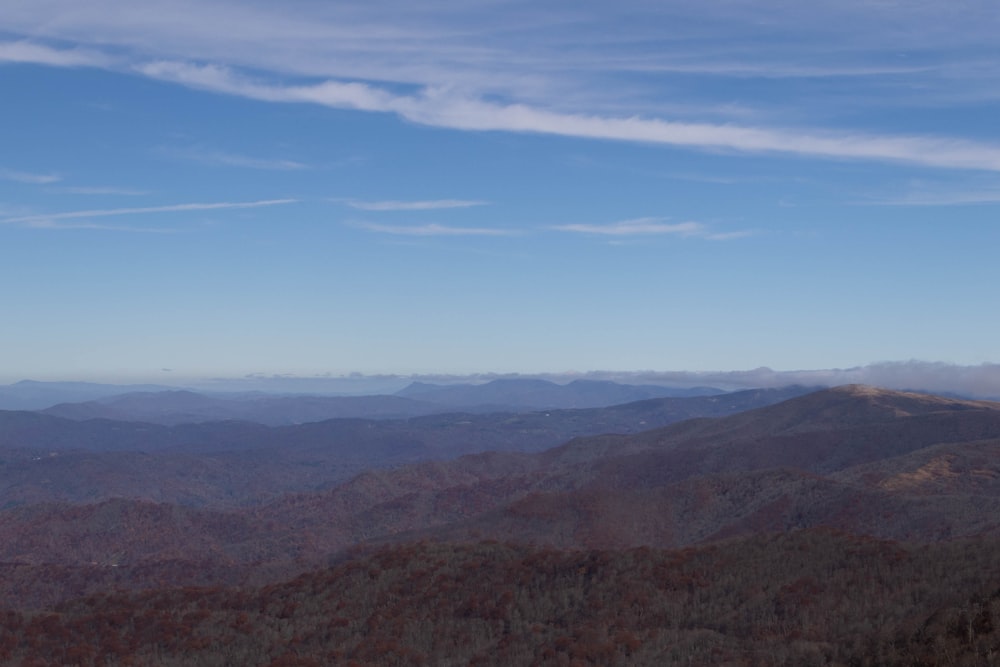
{"points": [[812, 597]]}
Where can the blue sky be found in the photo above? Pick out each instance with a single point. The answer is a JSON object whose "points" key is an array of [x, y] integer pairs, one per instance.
{"points": [[231, 188]]}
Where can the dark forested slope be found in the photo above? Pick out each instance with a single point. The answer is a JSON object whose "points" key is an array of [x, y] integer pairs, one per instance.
{"points": [[804, 598]]}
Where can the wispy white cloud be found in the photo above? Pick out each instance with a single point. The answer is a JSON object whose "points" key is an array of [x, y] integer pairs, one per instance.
{"points": [[28, 177], [765, 70], [25, 52], [944, 198], [86, 190], [433, 230], [222, 79], [561, 77], [442, 108], [426, 205], [637, 226], [47, 219], [729, 236], [434, 43], [49, 224], [927, 151], [651, 227], [227, 159]]}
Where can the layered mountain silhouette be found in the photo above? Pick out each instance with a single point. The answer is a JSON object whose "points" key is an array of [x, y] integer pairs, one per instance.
{"points": [[35, 395], [231, 464], [521, 393], [845, 526], [187, 407], [804, 462], [183, 407], [889, 464]]}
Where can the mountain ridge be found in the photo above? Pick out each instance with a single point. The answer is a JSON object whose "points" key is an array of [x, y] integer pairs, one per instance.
{"points": [[243, 463], [538, 394], [784, 472]]}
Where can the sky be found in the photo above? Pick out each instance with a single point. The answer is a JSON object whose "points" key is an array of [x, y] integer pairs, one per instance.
{"points": [[196, 189]]}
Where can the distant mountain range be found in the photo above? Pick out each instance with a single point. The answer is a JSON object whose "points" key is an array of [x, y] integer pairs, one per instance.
{"points": [[188, 407], [231, 464], [542, 394], [183, 407], [884, 463], [34, 395]]}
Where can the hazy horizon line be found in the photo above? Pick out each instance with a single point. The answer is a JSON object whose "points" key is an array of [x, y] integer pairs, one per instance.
{"points": [[976, 380]]}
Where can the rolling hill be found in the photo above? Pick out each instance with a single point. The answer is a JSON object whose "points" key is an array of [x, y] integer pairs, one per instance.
{"points": [[849, 458], [791, 465]]}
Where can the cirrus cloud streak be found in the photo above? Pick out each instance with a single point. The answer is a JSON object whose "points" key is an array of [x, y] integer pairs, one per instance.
{"points": [[651, 227], [28, 177], [47, 219], [439, 106], [433, 229], [25, 52], [442, 108], [426, 205]]}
